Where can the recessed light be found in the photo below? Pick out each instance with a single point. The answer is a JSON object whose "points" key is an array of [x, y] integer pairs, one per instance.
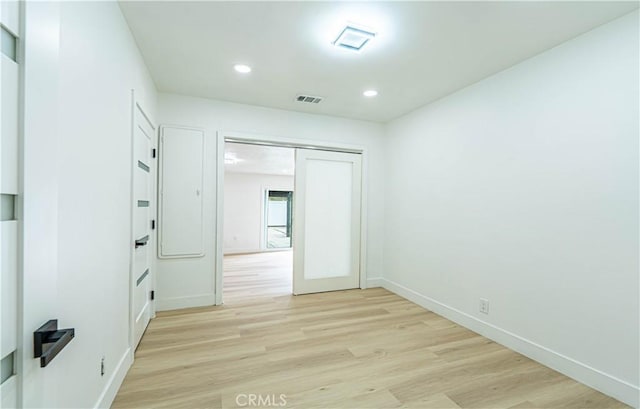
{"points": [[241, 68], [370, 93], [353, 38]]}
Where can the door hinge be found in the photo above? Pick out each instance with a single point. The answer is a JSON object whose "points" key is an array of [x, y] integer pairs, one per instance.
{"points": [[153, 295], [153, 224], [153, 152]]}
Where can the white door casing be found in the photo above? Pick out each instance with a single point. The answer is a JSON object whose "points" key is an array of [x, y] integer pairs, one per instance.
{"points": [[327, 213]]}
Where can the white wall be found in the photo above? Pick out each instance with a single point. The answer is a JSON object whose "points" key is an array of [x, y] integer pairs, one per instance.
{"points": [[190, 281], [523, 189], [244, 209], [99, 64]]}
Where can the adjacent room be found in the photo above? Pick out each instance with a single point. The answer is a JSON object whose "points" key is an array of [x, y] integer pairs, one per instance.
{"points": [[320, 204], [258, 221]]}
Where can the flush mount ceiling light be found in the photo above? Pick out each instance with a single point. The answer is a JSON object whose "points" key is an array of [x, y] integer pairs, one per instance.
{"points": [[241, 68], [370, 93], [354, 38]]}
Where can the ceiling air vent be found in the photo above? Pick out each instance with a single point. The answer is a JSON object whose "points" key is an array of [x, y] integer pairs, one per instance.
{"points": [[308, 99]]}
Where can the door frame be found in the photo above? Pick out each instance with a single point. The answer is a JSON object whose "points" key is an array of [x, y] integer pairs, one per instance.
{"points": [[153, 206], [223, 136]]}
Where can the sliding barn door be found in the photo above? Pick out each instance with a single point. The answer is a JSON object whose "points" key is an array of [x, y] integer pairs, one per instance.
{"points": [[326, 237]]}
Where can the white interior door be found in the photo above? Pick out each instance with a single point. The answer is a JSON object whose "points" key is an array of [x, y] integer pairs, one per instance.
{"points": [[142, 204], [326, 235], [9, 228]]}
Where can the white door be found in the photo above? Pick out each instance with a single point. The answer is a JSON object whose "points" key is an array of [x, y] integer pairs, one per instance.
{"points": [[9, 190], [143, 132], [326, 226]]}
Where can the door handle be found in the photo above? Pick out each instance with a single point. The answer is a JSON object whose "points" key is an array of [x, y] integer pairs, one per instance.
{"points": [[48, 341], [142, 242]]}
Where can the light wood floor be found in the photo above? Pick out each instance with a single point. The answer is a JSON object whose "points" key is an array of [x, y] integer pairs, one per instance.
{"points": [[259, 275], [346, 349]]}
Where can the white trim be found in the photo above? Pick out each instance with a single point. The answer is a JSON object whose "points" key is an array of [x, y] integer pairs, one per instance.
{"points": [[113, 385], [234, 252], [364, 195], [132, 319], [176, 303], [155, 144], [250, 137], [264, 207], [290, 142], [592, 377], [219, 268]]}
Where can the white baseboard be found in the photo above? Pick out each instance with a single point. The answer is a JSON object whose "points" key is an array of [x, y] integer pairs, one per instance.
{"points": [[592, 377], [177, 303], [374, 282], [237, 252], [115, 381]]}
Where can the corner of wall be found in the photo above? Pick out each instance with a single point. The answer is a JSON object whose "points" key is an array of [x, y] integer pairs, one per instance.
{"points": [[585, 374]]}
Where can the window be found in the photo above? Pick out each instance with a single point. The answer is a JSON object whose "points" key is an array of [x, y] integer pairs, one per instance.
{"points": [[278, 225]]}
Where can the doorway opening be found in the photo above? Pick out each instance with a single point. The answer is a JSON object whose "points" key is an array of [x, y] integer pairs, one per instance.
{"points": [[317, 221], [258, 221]]}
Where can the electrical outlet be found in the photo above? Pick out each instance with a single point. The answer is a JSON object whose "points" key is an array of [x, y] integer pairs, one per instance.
{"points": [[102, 367], [484, 306]]}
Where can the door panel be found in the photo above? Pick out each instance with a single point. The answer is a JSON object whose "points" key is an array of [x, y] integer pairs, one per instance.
{"points": [[142, 203], [326, 221], [142, 216], [9, 225], [181, 230]]}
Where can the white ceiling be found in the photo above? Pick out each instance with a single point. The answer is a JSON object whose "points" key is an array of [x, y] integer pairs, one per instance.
{"points": [[266, 160], [423, 50]]}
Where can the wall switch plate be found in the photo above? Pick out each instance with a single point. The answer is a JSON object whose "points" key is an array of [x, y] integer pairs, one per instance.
{"points": [[484, 306]]}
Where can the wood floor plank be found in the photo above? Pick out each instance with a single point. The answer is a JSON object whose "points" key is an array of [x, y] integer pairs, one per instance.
{"points": [[346, 349], [438, 400]]}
